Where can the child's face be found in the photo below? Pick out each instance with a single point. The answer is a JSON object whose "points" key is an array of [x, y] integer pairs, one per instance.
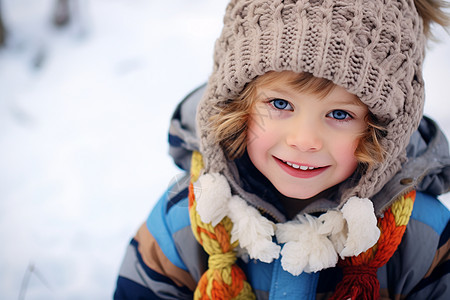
{"points": [[304, 143]]}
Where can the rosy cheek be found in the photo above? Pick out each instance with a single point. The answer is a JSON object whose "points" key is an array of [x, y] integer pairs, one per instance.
{"points": [[254, 133], [255, 140], [350, 153], [345, 150], [261, 127]]}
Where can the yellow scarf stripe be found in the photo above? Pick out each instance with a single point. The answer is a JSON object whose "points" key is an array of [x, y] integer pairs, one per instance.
{"points": [[402, 209], [196, 165]]}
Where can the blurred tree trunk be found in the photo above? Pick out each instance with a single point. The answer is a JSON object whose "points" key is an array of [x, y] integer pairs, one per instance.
{"points": [[62, 13], [2, 28]]}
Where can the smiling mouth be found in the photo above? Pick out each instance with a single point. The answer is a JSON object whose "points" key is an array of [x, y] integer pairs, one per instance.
{"points": [[299, 167], [300, 171]]}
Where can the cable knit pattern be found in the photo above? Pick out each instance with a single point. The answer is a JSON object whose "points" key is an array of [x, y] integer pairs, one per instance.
{"points": [[372, 48]]}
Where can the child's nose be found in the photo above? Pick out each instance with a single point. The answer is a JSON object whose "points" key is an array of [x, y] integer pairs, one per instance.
{"points": [[304, 136]]}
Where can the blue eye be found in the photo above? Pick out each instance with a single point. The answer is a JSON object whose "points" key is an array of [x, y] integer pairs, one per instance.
{"points": [[339, 114], [281, 104]]}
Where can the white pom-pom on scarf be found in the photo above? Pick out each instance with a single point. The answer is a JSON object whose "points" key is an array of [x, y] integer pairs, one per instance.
{"points": [[212, 193], [305, 249], [253, 231], [363, 232], [334, 226], [332, 222]]}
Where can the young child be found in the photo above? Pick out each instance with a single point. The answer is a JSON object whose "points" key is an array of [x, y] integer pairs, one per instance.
{"points": [[311, 173]]}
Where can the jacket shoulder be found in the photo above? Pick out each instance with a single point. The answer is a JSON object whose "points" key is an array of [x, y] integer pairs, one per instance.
{"points": [[169, 221], [430, 211]]}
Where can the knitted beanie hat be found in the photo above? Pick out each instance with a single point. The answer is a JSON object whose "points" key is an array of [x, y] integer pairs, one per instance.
{"points": [[372, 48]]}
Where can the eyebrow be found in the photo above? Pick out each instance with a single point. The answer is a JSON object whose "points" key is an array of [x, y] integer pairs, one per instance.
{"points": [[279, 91], [354, 101]]}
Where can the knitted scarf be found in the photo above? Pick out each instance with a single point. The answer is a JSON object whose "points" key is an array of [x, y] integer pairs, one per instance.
{"points": [[225, 280]]}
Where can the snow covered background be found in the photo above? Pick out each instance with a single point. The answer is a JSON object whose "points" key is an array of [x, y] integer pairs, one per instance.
{"points": [[84, 113]]}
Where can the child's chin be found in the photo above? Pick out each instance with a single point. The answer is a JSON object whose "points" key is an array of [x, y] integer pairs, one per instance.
{"points": [[298, 196]]}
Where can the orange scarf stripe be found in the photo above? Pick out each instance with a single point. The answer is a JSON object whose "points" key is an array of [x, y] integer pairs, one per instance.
{"points": [[202, 231], [391, 236], [191, 195], [238, 278], [223, 237]]}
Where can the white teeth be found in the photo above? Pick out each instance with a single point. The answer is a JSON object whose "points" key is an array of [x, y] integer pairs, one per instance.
{"points": [[295, 166]]}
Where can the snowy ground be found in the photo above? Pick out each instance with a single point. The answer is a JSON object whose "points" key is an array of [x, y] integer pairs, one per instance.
{"points": [[84, 113]]}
